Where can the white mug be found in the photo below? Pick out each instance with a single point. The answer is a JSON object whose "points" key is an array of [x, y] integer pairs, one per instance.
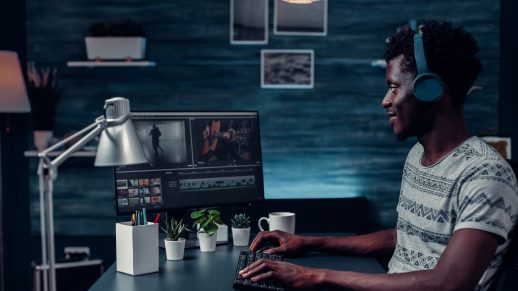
{"points": [[284, 221]]}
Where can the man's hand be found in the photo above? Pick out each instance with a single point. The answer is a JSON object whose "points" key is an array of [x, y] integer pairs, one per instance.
{"points": [[206, 132], [289, 244], [289, 275], [230, 135]]}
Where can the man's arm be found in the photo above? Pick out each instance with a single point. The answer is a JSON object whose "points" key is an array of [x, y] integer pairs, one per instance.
{"points": [[461, 266], [377, 243]]}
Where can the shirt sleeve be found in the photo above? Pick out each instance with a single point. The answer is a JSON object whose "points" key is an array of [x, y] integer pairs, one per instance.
{"points": [[488, 199]]}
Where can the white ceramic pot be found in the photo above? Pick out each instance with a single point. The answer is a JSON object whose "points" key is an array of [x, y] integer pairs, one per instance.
{"points": [[174, 249], [115, 48], [241, 236], [207, 242]]}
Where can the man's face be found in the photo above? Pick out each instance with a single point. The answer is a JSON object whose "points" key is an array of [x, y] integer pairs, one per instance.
{"points": [[407, 116]]}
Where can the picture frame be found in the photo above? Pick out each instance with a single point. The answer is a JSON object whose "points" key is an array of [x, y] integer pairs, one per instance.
{"points": [[248, 22], [501, 144], [287, 69], [300, 17]]}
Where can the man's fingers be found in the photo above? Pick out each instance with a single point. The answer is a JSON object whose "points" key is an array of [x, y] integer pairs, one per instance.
{"points": [[257, 240], [276, 250], [263, 276], [259, 266]]}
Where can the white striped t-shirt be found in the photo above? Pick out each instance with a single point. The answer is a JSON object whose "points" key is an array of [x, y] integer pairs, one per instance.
{"points": [[471, 187]]}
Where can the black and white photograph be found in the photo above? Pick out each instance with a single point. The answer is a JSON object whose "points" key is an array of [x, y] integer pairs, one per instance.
{"points": [[300, 17], [162, 142], [248, 21], [287, 69]]}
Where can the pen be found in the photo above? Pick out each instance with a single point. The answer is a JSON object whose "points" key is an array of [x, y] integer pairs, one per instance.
{"points": [[157, 218], [144, 216]]}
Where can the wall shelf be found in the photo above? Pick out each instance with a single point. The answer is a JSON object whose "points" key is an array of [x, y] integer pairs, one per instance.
{"points": [[93, 64]]}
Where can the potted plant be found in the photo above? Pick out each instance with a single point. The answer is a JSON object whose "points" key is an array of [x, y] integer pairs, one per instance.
{"points": [[174, 244], [205, 222], [240, 229], [44, 95], [119, 40]]}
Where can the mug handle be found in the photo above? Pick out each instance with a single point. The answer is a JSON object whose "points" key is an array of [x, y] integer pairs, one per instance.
{"points": [[259, 223]]}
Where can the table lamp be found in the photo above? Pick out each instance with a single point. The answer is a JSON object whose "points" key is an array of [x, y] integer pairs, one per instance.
{"points": [[118, 145], [13, 93]]}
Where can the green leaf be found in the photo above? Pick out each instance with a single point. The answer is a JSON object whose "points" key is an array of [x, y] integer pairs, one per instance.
{"points": [[214, 212], [211, 228], [196, 214]]}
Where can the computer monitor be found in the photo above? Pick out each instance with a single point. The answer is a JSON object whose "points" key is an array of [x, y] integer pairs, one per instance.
{"points": [[196, 159]]}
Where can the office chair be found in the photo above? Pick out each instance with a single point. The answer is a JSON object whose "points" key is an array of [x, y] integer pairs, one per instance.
{"points": [[507, 276]]}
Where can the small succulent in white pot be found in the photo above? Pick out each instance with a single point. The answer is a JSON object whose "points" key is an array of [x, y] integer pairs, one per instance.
{"points": [[240, 229], [174, 243]]}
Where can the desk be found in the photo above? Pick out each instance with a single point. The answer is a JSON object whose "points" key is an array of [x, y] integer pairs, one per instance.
{"points": [[215, 271]]}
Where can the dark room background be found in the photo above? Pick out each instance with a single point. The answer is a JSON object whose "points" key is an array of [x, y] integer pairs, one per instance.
{"points": [[330, 141]]}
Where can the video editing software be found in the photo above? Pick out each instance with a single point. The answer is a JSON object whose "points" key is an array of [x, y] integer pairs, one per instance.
{"points": [[195, 159]]}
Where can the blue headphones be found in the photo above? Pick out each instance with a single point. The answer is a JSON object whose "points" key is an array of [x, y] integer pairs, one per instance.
{"points": [[428, 87]]}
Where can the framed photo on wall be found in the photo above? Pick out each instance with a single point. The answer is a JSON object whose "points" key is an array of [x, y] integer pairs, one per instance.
{"points": [[288, 69], [300, 17], [248, 21]]}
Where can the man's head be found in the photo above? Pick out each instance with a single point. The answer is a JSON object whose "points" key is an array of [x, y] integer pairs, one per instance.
{"points": [[450, 53]]}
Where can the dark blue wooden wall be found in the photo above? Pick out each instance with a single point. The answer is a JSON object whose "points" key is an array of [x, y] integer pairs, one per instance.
{"points": [[331, 141]]}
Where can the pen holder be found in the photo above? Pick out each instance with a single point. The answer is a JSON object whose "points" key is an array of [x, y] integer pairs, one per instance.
{"points": [[137, 248]]}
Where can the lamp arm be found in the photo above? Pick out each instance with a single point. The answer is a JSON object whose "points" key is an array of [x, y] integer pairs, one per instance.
{"points": [[76, 146], [98, 120]]}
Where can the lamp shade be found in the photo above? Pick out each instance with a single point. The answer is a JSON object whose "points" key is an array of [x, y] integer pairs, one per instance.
{"points": [[13, 94], [119, 144]]}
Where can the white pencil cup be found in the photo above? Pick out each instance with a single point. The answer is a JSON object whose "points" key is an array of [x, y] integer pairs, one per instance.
{"points": [[137, 248]]}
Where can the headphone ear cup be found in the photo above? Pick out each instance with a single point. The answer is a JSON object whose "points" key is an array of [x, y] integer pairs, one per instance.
{"points": [[428, 87]]}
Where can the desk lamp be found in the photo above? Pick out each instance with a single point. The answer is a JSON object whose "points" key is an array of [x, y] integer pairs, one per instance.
{"points": [[118, 145]]}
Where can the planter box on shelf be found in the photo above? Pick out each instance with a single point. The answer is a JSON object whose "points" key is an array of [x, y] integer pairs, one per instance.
{"points": [[115, 48]]}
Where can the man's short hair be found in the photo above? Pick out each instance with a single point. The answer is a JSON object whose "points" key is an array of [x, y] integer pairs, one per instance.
{"points": [[450, 53]]}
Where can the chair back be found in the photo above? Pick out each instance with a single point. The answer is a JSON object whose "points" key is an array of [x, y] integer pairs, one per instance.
{"points": [[507, 276]]}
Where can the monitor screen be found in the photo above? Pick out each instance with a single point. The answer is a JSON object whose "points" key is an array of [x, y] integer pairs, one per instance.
{"points": [[195, 159]]}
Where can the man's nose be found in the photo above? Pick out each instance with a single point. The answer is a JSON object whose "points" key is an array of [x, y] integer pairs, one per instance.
{"points": [[386, 102]]}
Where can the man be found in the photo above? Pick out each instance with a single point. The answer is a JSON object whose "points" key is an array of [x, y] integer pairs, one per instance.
{"points": [[458, 199], [155, 139]]}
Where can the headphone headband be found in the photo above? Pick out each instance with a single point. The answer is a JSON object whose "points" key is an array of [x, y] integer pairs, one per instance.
{"points": [[428, 87], [419, 55]]}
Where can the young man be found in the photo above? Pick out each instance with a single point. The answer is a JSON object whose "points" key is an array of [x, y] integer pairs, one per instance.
{"points": [[458, 202]]}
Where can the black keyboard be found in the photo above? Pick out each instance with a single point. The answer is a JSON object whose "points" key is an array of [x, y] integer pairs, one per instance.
{"points": [[246, 258]]}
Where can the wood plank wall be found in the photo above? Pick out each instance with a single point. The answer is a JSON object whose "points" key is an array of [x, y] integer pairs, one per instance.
{"points": [[331, 141]]}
